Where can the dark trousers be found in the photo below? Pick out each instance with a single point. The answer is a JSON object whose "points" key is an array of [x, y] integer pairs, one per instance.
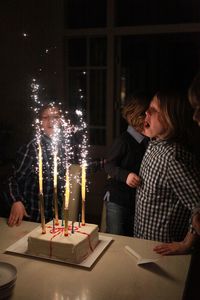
{"points": [[119, 219], [192, 284]]}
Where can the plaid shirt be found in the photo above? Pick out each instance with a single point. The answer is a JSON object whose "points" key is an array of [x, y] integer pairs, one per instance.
{"points": [[169, 192], [24, 183]]}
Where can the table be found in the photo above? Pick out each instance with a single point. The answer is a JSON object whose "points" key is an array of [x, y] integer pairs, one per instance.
{"points": [[114, 276]]}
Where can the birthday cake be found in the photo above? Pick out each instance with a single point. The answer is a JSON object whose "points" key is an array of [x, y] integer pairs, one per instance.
{"points": [[73, 248]]}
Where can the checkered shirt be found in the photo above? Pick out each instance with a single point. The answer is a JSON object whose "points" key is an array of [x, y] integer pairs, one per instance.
{"points": [[169, 192], [24, 183]]}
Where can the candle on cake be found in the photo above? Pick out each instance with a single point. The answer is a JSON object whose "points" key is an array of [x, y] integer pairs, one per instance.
{"points": [[55, 184], [41, 198], [83, 190], [66, 201], [83, 160]]}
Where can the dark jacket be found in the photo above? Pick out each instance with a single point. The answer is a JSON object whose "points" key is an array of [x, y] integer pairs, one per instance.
{"points": [[124, 157]]}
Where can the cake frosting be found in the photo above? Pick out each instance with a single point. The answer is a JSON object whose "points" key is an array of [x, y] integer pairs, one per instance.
{"points": [[74, 248]]}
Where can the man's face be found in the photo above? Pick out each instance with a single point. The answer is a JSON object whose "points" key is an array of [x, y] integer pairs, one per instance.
{"points": [[196, 106], [154, 125], [50, 120]]}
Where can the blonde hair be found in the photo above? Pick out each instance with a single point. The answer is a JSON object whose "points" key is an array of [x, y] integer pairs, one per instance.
{"points": [[134, 111]]}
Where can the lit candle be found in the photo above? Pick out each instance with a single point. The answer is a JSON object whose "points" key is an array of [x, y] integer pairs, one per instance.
{"points": [[67, 188], [41, 198], [66, 215], [55, 183], [40, 170], [55, 163], [83, 189], [66, 202]]}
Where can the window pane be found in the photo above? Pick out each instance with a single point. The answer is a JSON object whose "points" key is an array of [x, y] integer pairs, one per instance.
{"points": [[97, 137], [85, 14], [97, 97], [77, 89], [158, 61], [98, 52], [144, 12], [77, 52]]}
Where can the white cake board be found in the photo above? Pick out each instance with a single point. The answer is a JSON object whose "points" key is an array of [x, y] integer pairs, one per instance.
{"points": [[21, 246]]}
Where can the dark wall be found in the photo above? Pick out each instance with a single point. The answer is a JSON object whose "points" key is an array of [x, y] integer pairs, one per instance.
{"points": [[23, 58]]}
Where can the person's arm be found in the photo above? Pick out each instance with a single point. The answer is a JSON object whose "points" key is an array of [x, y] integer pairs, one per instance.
{"points": [[17, 213], [133, 180], [182, 247], [22, 168]]}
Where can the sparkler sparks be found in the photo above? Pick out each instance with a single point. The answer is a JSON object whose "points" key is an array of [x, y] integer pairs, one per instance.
{"points": [[63, 149]]}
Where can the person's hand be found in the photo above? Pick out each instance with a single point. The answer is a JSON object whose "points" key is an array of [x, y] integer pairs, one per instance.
{"points": [[196, 223], [172, 248], [133, 180], [17, 213]]}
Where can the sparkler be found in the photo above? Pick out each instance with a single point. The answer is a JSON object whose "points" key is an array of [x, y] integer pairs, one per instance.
{"points": [[83, 162], [68, 154], [35, 89]]}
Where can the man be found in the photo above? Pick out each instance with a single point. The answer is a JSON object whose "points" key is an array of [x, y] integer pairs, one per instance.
{"points": [[24, 184], [194, 98], [191, 291]]}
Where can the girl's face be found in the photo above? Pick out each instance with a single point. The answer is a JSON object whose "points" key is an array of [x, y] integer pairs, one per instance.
{"points": [[50, 120], [196, 106], [154, 125]]}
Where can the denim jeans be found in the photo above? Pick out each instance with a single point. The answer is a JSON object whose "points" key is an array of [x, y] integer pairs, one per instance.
{"points": [[119, 219]]}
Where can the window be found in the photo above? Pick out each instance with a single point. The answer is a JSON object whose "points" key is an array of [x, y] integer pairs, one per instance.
{"points": [[106, 64], [151, 12], [86, 88], [85, 13]]}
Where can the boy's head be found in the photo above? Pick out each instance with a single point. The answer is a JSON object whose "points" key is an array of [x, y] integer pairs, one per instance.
{"points": [[168, 117], [134, 111], [50, 117]]}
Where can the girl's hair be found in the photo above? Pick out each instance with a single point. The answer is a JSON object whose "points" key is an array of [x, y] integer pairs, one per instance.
{"points": [[194, 89], [177, 115], [134, 110]]}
